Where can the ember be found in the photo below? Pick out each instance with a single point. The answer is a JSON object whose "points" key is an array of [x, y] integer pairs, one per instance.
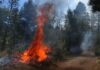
{"points": [[38, 50]]}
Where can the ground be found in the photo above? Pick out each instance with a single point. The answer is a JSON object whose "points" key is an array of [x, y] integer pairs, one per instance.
{"points": [[75, 63]]}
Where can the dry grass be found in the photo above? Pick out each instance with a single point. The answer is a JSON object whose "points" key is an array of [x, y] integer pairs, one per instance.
{"points": [[4, 53]]}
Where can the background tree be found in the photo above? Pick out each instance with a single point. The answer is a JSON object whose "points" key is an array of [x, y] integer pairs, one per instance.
{"points": [[73, 35], [28, 15], [13, 21], [76, 26], [4, 13], [95, 5]]}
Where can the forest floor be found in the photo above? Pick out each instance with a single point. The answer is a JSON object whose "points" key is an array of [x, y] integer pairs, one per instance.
{"points": [[75, 63]]}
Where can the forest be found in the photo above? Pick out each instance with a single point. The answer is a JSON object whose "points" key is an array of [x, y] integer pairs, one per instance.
{"points": [[39, 37]]}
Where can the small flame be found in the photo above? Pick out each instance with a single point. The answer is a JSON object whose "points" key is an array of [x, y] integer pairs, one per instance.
{"points": [[38, 50], [25, 57]]}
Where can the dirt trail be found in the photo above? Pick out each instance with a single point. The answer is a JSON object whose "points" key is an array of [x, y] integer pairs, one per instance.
{"points": [[81, 63], [75, 63]]}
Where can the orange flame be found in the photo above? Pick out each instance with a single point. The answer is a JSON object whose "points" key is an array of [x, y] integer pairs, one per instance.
{"points": [[38, 50]]}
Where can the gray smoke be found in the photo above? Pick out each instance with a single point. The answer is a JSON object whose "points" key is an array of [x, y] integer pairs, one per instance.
{"points": [[88, 42], [5, 60], [62, 6]]}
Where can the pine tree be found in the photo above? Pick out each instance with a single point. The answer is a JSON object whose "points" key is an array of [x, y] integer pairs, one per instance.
{"points": [[4, 13], [28, 16], [13, 21], [73, 35]]}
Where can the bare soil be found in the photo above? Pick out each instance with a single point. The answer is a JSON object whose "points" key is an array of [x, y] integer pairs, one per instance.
{"points": [[75, 63]]}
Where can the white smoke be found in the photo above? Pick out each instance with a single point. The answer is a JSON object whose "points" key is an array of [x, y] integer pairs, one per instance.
{"points": [[88, 42], [63, 5]]}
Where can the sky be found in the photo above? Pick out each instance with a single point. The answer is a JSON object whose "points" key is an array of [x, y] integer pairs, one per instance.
{"points": [[63, 4]]}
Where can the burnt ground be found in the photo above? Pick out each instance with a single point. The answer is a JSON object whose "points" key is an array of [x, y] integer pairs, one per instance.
{"points": [[75, 63]]}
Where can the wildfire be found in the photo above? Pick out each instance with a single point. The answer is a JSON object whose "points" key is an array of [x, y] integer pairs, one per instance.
{"points": [[38, 50]]}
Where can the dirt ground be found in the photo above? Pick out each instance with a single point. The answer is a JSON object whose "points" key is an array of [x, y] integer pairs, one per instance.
{"points": [[76, 63]]}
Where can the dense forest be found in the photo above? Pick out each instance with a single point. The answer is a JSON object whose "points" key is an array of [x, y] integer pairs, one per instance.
{"points": [[76, 33], [18, 27]]}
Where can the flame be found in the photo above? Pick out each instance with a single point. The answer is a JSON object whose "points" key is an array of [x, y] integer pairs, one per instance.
{"points": [[38, 50]]}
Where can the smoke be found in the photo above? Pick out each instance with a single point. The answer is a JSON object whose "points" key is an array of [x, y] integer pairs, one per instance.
{"points": [[88, 42], [88, 7], [63, 5], [5, 60]]}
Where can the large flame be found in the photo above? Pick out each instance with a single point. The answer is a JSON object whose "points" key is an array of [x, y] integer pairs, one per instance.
{"points": [[38, 50]]}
